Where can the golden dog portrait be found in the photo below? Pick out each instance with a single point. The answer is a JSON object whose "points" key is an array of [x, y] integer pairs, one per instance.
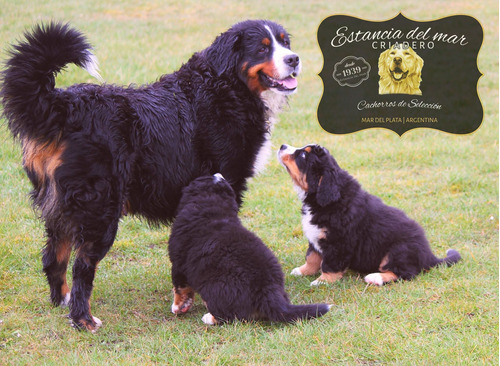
{"points": [[400, 71]]}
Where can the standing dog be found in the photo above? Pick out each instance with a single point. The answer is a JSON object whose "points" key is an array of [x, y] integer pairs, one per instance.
{"points": [[234, 272], [348, 228], [96, 152]]}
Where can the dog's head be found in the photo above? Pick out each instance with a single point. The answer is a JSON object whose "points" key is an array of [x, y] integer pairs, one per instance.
{"points": [[209, 192], [401, 69], [314, 172], [258, 52]]}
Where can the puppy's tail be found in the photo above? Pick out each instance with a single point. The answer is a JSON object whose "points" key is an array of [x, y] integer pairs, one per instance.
{"points": [[28, 80], [281, 310], [296, 312], [452, 257]]}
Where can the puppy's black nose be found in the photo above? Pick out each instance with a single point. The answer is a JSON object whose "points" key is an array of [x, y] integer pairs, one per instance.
{"points": [[283, 147], [292, 60]]}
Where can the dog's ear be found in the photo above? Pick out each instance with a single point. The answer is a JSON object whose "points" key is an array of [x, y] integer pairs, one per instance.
{"points": [[323, 177], [328, 188], [415, 77], [419, 63], [224, 54], [382, 62]]}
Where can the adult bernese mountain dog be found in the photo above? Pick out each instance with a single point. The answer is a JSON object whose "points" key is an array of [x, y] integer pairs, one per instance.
{"points": [[348, 228], [96, 152], [234, 272]]}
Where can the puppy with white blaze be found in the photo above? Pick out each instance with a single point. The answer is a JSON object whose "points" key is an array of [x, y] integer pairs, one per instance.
{"points": [[235, 273]]}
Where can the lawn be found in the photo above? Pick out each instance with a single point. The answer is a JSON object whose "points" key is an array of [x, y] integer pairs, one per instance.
{"points": [[446, 182]]}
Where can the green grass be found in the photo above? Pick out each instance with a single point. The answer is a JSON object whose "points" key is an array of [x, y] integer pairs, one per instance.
{"points": [[448, 183]]}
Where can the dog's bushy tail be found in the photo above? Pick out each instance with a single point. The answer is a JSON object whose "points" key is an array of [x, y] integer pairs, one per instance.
{"points": [[28, 80], [452, 257]]}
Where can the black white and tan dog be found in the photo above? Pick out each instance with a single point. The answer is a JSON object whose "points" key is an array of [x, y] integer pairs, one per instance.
{"points": [[348, 228], [96, 152], [236, 275]]}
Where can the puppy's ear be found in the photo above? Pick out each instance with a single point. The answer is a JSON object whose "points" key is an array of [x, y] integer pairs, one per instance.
{"points": [[328, 188], [224, 54]]}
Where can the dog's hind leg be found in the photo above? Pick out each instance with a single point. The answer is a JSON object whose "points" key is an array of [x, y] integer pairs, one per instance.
{"points": [[183, 293], [55, 259], [88, 256]]}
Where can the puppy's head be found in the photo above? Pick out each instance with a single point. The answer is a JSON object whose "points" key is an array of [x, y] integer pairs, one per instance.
{"points": [[314, 172], [211, 191], [258, 52]]}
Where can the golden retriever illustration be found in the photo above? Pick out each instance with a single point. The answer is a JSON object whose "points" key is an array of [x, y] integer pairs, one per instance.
{"points": [[400, 71]]}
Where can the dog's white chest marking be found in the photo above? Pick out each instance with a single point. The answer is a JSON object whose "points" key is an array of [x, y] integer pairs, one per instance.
{"points": [[274, 102], [312, 232]]}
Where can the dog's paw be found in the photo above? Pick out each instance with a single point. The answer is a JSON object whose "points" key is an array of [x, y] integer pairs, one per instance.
{"points": [[83, 324], [374, 279], [182, 307], [296, 272], [318, 282], [209, 319]]}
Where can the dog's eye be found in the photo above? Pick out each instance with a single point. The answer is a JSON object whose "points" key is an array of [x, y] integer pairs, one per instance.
{"points": [[286, 43], [263, 49]]}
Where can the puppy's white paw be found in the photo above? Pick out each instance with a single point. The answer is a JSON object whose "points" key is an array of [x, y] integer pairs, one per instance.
{"points": [[296, 272], [208, 319], [374, 279], [318, 283]]}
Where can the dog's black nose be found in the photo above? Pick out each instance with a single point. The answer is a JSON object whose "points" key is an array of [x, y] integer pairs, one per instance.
{"points": [[397, 60], [283, 147], [292, 60]]}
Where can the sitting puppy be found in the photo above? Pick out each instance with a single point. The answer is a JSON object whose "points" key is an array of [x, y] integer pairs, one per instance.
{"points": [[211, 252], [348, 228]]}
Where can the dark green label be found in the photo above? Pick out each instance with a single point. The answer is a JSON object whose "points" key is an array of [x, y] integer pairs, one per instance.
{"points": [[400, 74]]}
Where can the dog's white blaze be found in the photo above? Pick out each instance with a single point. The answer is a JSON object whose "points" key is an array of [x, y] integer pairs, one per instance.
{"points": [[92, 66], [312, 232], [279, 55]]}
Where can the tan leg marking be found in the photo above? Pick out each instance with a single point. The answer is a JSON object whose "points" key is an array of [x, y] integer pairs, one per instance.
{"points": [[183, 300], [311, 267], [384, 262], [328, 277]]}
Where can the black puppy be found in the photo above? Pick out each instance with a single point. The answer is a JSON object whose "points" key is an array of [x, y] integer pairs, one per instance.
{"points": [[234, 272], [348, 228]]}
